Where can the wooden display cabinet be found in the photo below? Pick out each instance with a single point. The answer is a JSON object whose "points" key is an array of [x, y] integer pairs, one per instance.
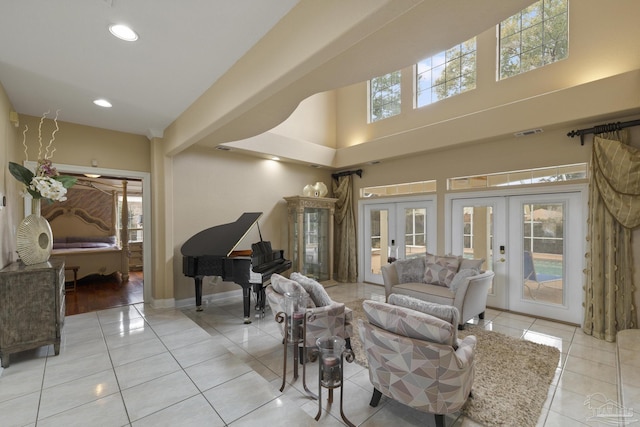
{"points": [[311, 236]]}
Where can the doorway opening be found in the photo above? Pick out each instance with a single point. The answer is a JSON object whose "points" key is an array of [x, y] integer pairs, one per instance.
{"points": [[103, 291]]}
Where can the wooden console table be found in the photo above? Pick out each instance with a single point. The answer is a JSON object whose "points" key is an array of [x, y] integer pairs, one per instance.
{"points": [[31, 307]]}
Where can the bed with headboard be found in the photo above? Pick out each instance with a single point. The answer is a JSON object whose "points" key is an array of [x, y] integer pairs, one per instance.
{"points": [[86, 238]]}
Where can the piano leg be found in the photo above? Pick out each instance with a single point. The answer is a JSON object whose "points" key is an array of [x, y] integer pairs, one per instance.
{"points": [[258, 288], [246, 299], [198, 280]]}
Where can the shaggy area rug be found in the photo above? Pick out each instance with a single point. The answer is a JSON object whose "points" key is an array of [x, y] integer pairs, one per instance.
{"points": [[512, 376]]}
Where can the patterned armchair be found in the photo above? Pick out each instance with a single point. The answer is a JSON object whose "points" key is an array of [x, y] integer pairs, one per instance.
{"points": [[329, 317], [415, 359]]}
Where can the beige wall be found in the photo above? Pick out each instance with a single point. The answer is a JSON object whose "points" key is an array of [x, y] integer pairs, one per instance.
{"points": [[314, 121], [213, 188], [79, 145], [603, 44]]}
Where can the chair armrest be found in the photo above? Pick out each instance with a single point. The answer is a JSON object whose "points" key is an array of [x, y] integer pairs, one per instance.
{"points": [[466, 350], [390, 278], [473, 291], [333, 309], [275, 300], [481, 279]]}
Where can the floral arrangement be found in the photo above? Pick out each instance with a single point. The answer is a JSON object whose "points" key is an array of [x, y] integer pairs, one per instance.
{"points": [[46, 182]]}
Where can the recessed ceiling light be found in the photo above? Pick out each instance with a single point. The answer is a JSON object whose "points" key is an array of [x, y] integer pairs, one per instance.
{"points": [[102, 103], [275, 158], [123, 32]]}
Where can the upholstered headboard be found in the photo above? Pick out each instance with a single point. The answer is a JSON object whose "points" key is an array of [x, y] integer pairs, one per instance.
{"points": [[76, 222]]}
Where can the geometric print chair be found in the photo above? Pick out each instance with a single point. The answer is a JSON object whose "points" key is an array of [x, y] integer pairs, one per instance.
{"points": [[415, 359], [330, 318]]}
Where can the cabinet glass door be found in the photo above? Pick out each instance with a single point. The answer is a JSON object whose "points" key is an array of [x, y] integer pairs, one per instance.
{"points": [[316, 246]]}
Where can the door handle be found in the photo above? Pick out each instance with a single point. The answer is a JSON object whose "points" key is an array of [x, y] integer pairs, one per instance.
{"points": [[502, 260]]}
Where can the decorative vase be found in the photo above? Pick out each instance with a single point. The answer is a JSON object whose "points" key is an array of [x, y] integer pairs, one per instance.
{"points": [[34, 237]]}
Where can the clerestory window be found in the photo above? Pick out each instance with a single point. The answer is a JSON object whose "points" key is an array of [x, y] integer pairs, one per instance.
{"points": [[534, 37], [384, 96], [445, 74]]}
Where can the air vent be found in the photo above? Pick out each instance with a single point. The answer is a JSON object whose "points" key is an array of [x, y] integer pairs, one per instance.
{"points": [[528, 132], [223, 148], [315, 166], [374, 162]]}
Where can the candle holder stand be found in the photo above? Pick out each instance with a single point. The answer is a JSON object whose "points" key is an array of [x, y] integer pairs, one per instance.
{"points": [[295, 332], [331, 354]]}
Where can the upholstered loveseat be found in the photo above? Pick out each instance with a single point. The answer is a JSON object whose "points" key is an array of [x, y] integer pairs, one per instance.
{"points": [[448, 280]]}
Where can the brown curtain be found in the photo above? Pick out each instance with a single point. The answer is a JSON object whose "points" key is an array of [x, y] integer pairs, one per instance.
{"points": [[345, 251], [614, 210]]}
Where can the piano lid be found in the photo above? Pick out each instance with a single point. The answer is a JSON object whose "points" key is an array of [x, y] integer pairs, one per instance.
{"points": [[220, 240]]}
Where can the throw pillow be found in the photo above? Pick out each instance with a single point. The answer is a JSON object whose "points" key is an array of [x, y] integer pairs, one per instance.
{"points": [[315, 290], [442, 271], [410, 270], [409, 323], [430, 257], [471, 263], [282, 285], [448, 313], [460, 277]]}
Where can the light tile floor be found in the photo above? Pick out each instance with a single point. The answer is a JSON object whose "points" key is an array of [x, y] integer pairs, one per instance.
{"points": [[139, 366]]}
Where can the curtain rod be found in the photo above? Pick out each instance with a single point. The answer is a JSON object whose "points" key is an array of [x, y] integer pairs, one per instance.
{"points": [[607, 127], [346, 173]]}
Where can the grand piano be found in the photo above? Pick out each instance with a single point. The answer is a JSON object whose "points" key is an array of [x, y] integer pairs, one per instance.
{"points": [[211, 253]]}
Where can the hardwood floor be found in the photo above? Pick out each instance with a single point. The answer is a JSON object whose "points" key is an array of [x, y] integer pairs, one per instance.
{"points": [[99, 293]]}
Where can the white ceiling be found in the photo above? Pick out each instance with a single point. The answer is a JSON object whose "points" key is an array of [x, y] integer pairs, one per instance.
{"points": [[60, 55]]}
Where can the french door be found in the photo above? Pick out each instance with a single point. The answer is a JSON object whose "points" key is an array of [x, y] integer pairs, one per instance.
{"points": [[395, 230], [535, 244], [547, 243], [479, 230]]}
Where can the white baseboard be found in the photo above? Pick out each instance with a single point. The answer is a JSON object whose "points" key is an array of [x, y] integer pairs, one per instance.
{"points": [[163, 303]]}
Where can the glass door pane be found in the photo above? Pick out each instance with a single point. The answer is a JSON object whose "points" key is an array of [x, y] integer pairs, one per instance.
{"points": [[478, 234], [378, 241], [546, 251], [543, 252], [316, 246], [478, 230], [415, 232]]}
